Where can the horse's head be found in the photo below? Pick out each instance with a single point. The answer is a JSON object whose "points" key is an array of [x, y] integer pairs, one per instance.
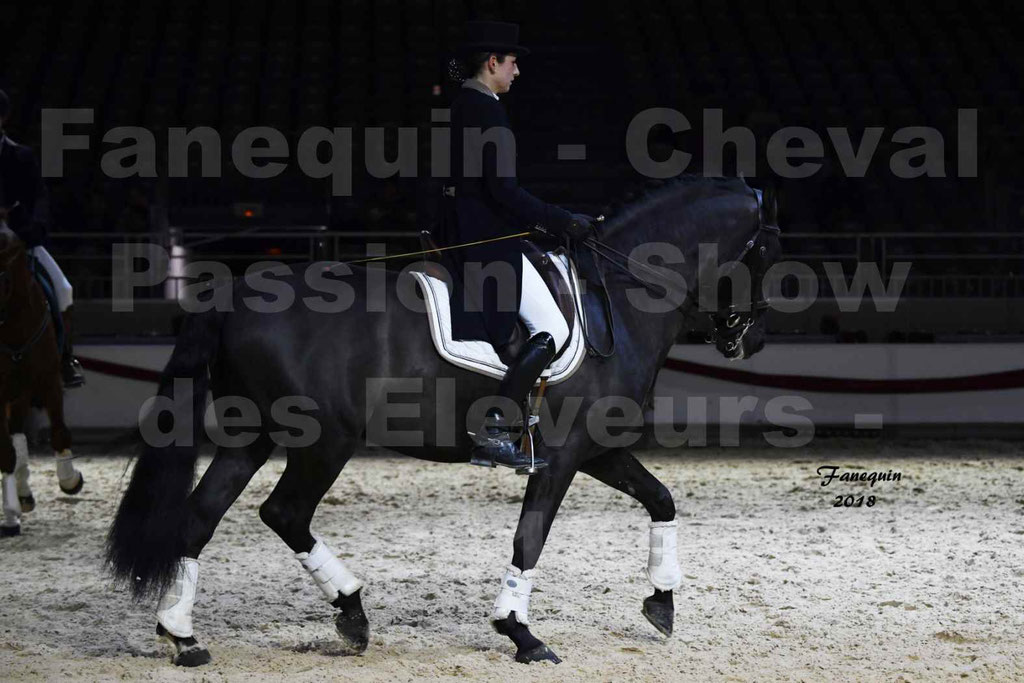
{"points": [[693, 213], [738, 323]]}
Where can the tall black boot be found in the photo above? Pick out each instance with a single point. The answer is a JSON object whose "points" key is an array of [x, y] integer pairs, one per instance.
{"points": [[70, 368], [494, 444]]}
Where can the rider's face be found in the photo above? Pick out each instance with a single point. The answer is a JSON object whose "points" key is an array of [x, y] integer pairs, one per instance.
{"points": [[503, 73]]}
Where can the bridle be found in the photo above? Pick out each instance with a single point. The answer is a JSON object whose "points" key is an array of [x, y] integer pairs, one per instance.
{"points": [[728, 323]]}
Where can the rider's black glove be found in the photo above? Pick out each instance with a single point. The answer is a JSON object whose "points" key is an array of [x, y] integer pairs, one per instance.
{"points": [[580, 227]]}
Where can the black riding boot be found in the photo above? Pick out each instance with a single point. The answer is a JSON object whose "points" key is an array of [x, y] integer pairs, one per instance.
{"points": [[70, 368], [494, 443]]}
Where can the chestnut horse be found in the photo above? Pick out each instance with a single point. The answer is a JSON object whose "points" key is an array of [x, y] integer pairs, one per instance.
{"points": [[29, 375]]}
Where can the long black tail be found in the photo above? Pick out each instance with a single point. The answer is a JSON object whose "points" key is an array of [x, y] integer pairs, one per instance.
{"points": [[144, 544]]}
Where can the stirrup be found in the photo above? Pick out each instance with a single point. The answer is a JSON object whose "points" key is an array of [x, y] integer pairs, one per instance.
{"points": [[494, 450], [71, 373]]}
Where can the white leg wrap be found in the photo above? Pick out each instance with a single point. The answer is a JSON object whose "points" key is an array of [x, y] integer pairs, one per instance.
{"points": [[67, 475], [328, 572], [663, 561], [12, 506], [21, 463], [514, 595], [175, 609]]}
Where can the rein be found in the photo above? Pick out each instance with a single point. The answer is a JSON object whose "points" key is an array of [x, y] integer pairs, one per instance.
{"points": [[731, 321]]}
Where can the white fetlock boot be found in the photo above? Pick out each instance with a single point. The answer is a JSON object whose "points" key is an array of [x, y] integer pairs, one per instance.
{"points": [[68, 477], [21, 472], [663, 559], [174, 612], [328, 572], [665, 575], [11, 526], [514, 595]]}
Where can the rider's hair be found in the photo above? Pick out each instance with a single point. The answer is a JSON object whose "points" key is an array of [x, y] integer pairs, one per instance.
{"points": [[5, 105], [468, 66]]}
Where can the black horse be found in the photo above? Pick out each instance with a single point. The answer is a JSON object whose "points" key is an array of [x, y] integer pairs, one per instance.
{"points": [[333, 358]]}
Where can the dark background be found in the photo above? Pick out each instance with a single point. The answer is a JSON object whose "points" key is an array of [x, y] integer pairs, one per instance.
{"points": [[595, 65]]}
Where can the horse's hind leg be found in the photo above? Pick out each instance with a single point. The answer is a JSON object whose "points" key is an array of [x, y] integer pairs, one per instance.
{"points": [[309, 474], [223, 481], [19, 416], [69, 478], [623, 472]]}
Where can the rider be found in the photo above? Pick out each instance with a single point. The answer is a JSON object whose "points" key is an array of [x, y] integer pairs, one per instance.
{"points": [[27, 211], [484, 202]]}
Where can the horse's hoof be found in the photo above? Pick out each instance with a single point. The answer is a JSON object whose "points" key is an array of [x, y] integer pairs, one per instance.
{"points": [[192, 655], [352, 624], [660, 615], [28, 503], [74, 489], [354, 631], [187, 651], [541, 653], [9, 531]]}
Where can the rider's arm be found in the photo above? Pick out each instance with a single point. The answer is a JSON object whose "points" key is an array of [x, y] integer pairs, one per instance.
{"points": [[499, 170]]}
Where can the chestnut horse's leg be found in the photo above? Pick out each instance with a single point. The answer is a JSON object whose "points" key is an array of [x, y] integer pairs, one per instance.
{"points": [[19, 417], [544, 494], [69, 478], [11, 523], [623, 472], [309, 474], [220, 486]]}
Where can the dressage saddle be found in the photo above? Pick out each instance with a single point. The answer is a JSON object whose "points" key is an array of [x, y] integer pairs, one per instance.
{"points": [[556, 283]]}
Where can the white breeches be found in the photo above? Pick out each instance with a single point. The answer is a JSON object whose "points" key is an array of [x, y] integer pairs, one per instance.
{"points": [[60, 283], [538, 308]]}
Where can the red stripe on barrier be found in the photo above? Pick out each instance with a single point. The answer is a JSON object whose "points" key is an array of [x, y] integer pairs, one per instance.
{"points": [[118, 370], [1011, 379]]}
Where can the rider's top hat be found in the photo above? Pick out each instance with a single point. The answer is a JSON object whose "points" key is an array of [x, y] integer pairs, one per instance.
{"points": [[491, 36]]}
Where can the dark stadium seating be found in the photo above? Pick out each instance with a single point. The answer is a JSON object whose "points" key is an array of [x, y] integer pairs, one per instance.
{"points": [[292, 65]]}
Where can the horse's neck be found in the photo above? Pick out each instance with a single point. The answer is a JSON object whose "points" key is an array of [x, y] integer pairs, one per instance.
{"points": [[643, 339], [28, 303]]}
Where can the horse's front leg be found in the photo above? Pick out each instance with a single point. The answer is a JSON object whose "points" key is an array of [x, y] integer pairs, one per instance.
{"points": [[19, 419], [11, 523], [69, 478], [510, 618], [623, 472]]}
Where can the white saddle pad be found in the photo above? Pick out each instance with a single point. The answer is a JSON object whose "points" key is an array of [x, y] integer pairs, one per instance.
{"points": [[479, 356]]}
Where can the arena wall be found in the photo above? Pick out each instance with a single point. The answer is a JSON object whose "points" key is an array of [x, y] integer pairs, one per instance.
{"points": [[859, 386]]}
